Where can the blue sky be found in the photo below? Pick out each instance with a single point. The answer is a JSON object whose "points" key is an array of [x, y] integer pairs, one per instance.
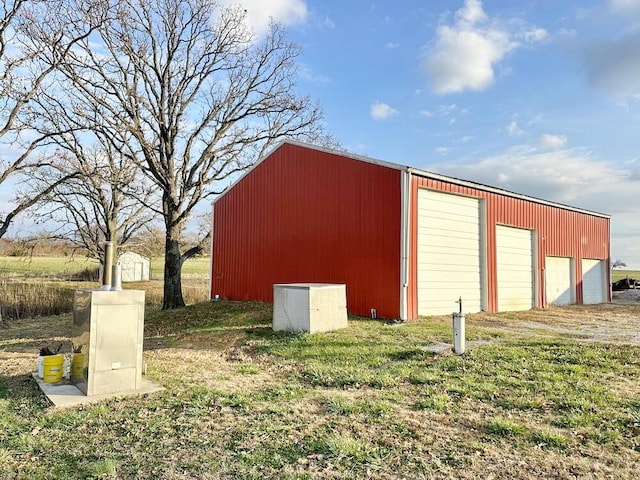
{"points": [[540, 97]]}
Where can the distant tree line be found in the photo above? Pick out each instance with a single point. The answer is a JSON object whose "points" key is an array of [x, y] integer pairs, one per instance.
{"points": [[119, 117], [148, 242]]}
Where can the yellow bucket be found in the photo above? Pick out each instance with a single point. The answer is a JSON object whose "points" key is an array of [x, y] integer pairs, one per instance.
{"points": [[77, 366], [53, 365]]}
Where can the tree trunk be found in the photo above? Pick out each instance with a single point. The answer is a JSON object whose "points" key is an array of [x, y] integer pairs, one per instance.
{"points": [[172, 272]]}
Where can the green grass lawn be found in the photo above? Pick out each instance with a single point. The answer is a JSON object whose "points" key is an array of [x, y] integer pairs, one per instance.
{"points": [[66, 266], [620, 274], [364, 402], [197, 266], [44, 266]]}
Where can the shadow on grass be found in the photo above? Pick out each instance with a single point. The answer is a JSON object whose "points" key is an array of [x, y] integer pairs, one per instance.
{"points": [[208, 325], [23, 395], [29, 335]]}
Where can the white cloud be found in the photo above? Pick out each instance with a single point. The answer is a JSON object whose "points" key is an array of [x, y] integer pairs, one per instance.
{"points": [[442, 150], [327, 23], [568, 176], [260, 12], [614, 65], [447, 109], [382, 111], [514, 130], [305, 73], [535, 35], [465, 54], [471, 13], [552, 141], [611, 63], [391, 45], [623, 6]]}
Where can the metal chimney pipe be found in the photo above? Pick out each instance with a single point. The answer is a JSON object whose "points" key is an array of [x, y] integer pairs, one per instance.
{"points": [[116, 275], [108, 265]]}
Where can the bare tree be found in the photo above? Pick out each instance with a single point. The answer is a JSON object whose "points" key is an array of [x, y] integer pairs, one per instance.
{"points": [[23, 79], [107, 199], [184, 88], [618, 264], [149, 242]]}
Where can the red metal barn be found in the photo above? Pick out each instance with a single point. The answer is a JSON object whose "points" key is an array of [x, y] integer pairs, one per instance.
{"points": [[405, 242]]}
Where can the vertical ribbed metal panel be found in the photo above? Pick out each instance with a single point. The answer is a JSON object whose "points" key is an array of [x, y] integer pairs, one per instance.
{"points": [[560, 232], [303, 215]]}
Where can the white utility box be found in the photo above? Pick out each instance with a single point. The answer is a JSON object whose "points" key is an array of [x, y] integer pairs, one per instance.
{"points": [[309, 307], [108, 334], [459, 344]]}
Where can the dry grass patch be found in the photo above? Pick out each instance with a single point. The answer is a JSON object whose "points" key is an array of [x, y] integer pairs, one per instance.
{"points": [[191, 368], [44, 286]]}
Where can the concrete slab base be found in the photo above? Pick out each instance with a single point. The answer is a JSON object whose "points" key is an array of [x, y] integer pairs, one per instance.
{"points": [[438, 347], [441, 347], [65, 395]]}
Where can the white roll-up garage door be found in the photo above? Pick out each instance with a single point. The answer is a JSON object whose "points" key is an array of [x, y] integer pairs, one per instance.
{"points": [[449, 255], [593, 281], [514, 254], [559, 285]]}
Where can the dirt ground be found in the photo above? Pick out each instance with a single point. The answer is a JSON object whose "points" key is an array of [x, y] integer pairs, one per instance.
{"points": [[615, 322], [627, 296]]}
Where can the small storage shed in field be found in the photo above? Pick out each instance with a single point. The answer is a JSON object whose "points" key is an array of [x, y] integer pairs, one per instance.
{"points": [[135, 267], [406, 242]]}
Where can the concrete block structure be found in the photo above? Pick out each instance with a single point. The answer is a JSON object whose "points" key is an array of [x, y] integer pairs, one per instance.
{"points": [[309, 307]]}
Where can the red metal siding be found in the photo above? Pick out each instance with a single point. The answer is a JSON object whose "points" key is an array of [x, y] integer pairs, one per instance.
{"points": [[560, 232], [304, 215]]}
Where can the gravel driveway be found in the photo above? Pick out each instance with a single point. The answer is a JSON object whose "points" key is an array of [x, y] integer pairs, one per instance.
{"points": [[616, 322]]}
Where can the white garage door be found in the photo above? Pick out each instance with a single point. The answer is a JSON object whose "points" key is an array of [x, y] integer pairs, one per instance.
{"points": [[514, 252], [449, 259], [559, 285], [593, 281]]}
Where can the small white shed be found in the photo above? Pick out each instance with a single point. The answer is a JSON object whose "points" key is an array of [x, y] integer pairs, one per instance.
{"points": [[135, 267]]}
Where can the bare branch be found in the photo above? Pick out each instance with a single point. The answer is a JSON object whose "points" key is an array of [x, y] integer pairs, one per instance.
{"points": [[24, 80], [185, 90]]}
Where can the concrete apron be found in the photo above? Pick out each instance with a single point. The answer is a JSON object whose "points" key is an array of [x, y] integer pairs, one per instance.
{"points": [[63, 394]]}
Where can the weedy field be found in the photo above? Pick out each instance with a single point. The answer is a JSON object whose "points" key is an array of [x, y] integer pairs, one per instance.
{"points": [[620, 274], [37, 286], [65, 267], [527, 400]]}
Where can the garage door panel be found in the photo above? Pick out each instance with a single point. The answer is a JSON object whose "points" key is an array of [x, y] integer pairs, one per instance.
{"points": [[452, 273], [462, 279], [593, 281], [448, 253], [515, 268], [452, 241], [437, 231], [459, 261], [446, 307], [440, 243], [449, 222], [463, 252], [446, 202], [443, 296], [559, 281]]}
